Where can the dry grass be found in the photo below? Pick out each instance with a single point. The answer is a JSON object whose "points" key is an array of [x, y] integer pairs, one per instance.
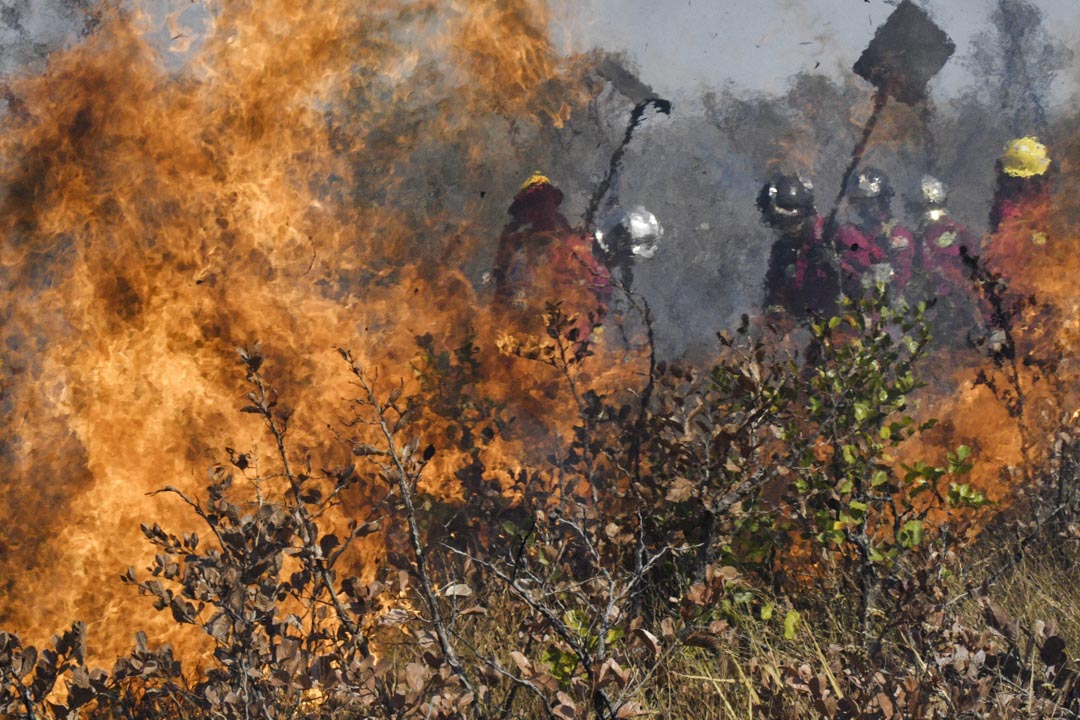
{"points": [[1044, 586]]}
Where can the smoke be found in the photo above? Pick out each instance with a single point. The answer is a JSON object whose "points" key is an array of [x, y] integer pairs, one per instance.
{"points": [[314, 175], [1019, 61], [30, 30], [307, 177]]}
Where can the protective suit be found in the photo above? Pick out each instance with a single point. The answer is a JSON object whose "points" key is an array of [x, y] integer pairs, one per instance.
{"points": [[939, 270], [1017, 246], [541, 258], [876, 248], [801, 277]]}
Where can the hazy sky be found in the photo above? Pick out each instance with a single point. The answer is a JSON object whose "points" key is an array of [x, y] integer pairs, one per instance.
{"points": [[681, 46], [684, 45]]}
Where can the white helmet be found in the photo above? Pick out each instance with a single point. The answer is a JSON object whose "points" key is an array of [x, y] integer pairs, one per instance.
{"points": [[639, 225]]}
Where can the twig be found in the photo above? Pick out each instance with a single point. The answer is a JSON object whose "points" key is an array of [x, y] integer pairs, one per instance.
{"points": [[265, 406], [419, 549]]}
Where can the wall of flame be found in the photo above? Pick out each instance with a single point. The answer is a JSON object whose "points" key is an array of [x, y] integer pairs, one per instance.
{"points": [[312, 175]]}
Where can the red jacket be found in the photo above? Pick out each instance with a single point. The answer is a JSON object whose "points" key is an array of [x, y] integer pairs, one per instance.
{"points": [[858, 253], [886, 250], [938, 254], [1020, 229], [542, 259], [812, 283]]}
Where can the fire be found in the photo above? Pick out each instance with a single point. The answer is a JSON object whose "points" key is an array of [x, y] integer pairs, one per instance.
{"points": [[313, 176], [507, 50], [794, 151], [155, 220]]}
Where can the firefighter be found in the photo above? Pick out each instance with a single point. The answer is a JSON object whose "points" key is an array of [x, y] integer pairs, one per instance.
{"points": [[801, 278], [542, 258], [1019, 216], [939, 271], [875, 248], [622, 238], [943, 242]]}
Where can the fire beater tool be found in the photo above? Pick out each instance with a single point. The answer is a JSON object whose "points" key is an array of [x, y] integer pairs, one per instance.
{"points": [[906, 52], [621, 237]]}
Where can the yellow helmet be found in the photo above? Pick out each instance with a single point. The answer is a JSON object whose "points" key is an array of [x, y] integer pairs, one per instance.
{"points": [[1025, 157], [537, 178]]}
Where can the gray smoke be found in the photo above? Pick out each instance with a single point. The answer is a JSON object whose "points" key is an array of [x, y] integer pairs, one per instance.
{"points": [[698, 170], [31, 29]]}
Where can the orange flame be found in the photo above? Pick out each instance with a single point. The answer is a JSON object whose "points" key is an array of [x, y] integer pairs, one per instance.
{"points": [[155, 220], [310, 178]]}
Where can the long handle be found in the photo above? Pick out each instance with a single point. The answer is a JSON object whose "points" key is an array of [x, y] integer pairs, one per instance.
{"points": [[879, 100], [636, 116]]}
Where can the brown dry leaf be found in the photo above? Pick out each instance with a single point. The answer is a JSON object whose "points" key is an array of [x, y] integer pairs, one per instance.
{"points": [[566, 708], [458, 590], [416, 676], [545, 681], [886, 705], [465, 701], [622, 675], [650, 640], [630, 709], [286, 649], [522, 662], [698, 595], [474, 610], [996, 617], [705, 640], [681, 490], [612, 671]]}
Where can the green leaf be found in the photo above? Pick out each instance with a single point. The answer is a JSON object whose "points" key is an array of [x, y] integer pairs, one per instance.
{"points": [[911, 534], [958, 464], [879, 478], [962, 494], [743, 597], [791, 624], [918, 488], [849, 454], [577, 621], [767, 611], [561, 664]]}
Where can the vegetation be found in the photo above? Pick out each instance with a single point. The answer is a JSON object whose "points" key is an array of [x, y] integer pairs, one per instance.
{"points": [[742, 541]]}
